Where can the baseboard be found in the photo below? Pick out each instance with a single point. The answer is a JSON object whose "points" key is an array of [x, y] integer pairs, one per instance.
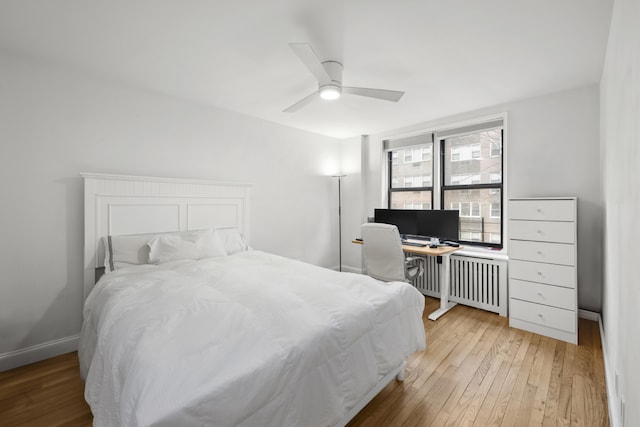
{"points": [[36, 353], [609, 375], [589, 315]]}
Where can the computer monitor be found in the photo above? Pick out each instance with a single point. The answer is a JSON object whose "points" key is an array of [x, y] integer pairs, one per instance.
{"points": [[406, 220], [443, 224]]}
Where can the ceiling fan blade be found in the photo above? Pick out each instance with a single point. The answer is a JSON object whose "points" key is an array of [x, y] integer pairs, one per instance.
{"points": [[304, 101], [309, 58], [387, 95]]}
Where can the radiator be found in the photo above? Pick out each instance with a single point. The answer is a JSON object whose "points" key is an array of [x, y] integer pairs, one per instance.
{"points": [[474, 281]]}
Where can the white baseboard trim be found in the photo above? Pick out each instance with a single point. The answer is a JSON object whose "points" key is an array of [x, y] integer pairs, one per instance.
{"points": [[609, 375], [36, 353], [589, 315]]}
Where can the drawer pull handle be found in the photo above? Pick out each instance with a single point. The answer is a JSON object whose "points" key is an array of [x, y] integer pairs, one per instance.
{"points": [[541, 295], [539, 231], [539, 252], [541, 316], [539, 210], [540, 273]]}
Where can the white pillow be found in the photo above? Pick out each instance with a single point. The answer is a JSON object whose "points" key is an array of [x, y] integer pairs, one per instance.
{"points": [[125, 251], [232, 240], [186, 245]]}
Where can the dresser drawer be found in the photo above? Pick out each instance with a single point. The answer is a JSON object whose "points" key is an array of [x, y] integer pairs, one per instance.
{"points": [[542, 294], [543, 210], [543, 231], [552, 274], [553, 253], [551, 317]]}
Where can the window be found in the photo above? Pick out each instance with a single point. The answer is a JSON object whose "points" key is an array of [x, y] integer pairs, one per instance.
{"points": [[471, 236], [470, 163], [465, 152], [494, 237], [496, 148], [417, 154], [465, 179], [411, 181], [417, 181], [394, 158], [474, 187], [467, 209], [475, 151], [427, 154], [495, 210], [417, 205]]}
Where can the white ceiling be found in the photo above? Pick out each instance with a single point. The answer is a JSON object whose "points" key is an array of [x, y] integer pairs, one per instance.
{"points": [[449, 56]]}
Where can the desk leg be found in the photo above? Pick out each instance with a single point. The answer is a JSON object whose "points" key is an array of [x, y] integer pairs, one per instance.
{"points": [[445, 305]]}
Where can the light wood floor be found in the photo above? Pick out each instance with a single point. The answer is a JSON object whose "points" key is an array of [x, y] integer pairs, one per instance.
{"points": [[476, 371]]}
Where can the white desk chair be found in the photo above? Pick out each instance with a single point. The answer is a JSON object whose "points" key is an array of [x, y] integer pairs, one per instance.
{"points": [[384, 258]]}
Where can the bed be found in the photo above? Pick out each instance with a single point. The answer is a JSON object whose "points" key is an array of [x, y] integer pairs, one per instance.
{"points": [[235, 336]]}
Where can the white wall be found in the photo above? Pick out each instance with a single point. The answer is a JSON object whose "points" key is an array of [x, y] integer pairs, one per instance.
{"points": [[352, 203], [552, 147], [620, 145], [56, 123]]}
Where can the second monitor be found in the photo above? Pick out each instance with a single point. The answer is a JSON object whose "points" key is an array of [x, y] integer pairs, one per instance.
{"points": [[443, 224]]}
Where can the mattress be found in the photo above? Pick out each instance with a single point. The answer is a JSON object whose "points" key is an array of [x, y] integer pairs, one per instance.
{"points": [[251, 339]]}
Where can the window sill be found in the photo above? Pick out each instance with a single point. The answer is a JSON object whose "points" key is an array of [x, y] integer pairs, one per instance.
{"points": [[482, 252]]}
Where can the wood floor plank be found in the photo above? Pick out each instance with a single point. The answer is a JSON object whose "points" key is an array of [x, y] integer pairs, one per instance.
{"points": [[582, 411], [47, 393], [543, 381], [480, 385], [475, 371], [499, 409], [463, 368], [443, 346], [566, 386], [519, 388], [553, 393], [490, 401], [526, 406], [437, 366]]}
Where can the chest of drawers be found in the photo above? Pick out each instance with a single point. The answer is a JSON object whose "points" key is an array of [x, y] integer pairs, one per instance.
{"points": [[543, 293]]}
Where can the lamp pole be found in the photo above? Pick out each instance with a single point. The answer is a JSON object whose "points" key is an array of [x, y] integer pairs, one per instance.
{"points": [[339, 176]]}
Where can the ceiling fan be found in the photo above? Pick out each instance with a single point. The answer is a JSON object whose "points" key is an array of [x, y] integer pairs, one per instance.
{"points": [[329, 76]]}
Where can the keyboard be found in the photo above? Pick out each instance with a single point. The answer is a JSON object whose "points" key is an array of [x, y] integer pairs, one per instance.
{"points": [[421, 245]]}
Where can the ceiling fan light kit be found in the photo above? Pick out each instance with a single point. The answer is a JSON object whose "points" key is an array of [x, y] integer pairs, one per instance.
{"points": [[330, 92], [329, 76]]}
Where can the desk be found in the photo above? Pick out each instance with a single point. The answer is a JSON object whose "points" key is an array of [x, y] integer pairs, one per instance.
{"points": [[444, 252]]}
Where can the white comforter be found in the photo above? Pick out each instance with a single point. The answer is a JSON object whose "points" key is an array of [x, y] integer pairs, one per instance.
{"points": [[251, 339]]}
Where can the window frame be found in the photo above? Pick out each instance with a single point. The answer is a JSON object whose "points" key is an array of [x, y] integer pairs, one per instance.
{"points": [[489, 186], [391, 190], [438, 189]]}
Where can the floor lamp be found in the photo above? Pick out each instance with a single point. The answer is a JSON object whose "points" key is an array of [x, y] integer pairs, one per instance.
{"points": [[339, 176]]}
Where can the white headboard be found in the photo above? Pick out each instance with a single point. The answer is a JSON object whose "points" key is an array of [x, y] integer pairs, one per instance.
{"points": [[121, 204]]}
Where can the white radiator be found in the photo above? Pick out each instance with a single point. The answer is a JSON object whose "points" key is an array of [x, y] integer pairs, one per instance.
{"points": [[477, 282]]}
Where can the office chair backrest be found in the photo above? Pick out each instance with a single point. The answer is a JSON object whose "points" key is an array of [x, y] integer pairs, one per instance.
{"points": [[383, 255]]}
